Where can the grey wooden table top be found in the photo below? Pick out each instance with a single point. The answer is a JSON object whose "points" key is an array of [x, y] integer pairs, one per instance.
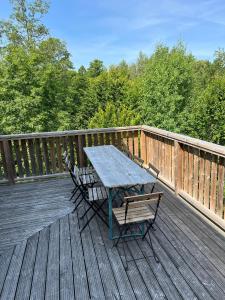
{"points": [[115, 169]]}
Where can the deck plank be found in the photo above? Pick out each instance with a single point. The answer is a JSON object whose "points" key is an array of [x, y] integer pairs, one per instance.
{"points": [[11, 280], [193, 259], [43, 255], [26, 272], [5, 260], [39, 276], [94, 278], [79, 268], [52, 277], [106, 273], [66, 267]]}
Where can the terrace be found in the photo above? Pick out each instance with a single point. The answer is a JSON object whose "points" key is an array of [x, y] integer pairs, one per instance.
{"points": [[43, 255]]}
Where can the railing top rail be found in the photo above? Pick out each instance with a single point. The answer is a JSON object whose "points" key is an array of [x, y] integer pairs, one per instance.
{"points": [[202, 145], [66, 133]]}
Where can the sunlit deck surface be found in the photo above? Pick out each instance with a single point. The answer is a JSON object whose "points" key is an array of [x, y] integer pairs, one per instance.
{"points": [[43, 256]]}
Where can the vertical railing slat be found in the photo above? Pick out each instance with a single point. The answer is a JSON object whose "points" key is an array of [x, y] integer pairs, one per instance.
{"points": [[213, 183], [32, 156], [25, 157], [18, 158], [221, 175]]}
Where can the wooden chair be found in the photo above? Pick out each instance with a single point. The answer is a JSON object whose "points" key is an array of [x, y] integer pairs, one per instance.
{"points": [[82, 170], [80, 181], [138, 160], [136, 210], [95, 199], [154, 171]]}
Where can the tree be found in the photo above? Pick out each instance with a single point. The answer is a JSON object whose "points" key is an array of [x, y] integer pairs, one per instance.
{"points": [[114, 116], [95, 68], [207, 118], [24, 26], [166, 87], [35, 75]]}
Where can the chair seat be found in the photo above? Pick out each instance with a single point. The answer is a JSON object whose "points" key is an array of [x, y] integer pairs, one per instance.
{"points": [[97, 193], [86, 170], [89, 178], [134, 214]]}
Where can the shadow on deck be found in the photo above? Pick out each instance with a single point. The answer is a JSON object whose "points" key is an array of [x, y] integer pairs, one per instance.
{"points": [[43, 256]]}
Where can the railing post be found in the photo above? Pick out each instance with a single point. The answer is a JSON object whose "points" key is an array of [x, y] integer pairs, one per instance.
{"points": [[143, 147], [178, 167], [81, 145], [9, 162]]}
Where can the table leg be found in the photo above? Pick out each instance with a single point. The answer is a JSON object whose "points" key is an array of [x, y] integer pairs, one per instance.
{"points": [[110, 215]]}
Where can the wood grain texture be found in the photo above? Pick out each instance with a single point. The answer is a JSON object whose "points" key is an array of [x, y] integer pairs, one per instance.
{"points": [[115, 169], [221, 197], [59, 263], [178, 167]]}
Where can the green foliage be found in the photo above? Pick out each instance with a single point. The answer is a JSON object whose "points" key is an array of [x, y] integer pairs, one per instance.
{"points": [[114, 116], [40, 90], [208, 116], [25, 27], [167, 86], [96, 68]]}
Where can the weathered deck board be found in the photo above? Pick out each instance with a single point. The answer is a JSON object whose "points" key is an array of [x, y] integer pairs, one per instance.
{"points": [[52, 261], [28, 208]]}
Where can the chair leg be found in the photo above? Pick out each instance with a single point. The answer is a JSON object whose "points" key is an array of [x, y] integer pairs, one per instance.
{"points": [[120, 235], [95, 213], [101, 209], [147, 230], [73, 193], [84, 214], [91, 207], [77, 205], [151, 245], [125, 255], [77, 198]]}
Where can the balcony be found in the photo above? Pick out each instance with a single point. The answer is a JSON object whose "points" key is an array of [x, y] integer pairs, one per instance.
{"points": [[42, 254]]}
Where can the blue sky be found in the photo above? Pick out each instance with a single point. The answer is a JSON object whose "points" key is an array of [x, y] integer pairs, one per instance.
{"points": [[112, 30]]}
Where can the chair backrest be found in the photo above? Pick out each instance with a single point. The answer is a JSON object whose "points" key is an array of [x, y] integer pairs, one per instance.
{"points": [[64, 155], [76, 174], [126, 150], [138, 201], [138, 160], [73, 170], [154, 171]]}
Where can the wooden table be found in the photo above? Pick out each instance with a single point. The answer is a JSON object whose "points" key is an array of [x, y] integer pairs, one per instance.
{"points": [[116, 170]]}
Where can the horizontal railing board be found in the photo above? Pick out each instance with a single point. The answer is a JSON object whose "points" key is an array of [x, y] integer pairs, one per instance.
{"points": [[197, 143], [67, 133]]}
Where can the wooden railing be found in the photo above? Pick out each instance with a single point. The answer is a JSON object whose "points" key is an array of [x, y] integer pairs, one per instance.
{"points": [[194, 169], [33, 155]]}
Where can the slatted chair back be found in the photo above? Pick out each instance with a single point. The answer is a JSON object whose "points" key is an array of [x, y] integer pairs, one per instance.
{"points": [[138, 201], [154, 171], [64, 155], [76, 174], [126, 150], [138, 160]]}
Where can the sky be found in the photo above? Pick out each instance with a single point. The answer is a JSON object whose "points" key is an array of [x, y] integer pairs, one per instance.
{"points": [[113, 30]]}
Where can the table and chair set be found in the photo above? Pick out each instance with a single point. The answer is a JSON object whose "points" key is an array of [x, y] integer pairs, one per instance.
{"points": [[113, 189]]}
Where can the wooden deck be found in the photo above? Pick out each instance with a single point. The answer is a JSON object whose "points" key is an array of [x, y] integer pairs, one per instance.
{"points": [[43, 256]]}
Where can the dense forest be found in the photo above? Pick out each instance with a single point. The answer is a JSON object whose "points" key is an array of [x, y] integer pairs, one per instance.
{"points": [[40, 90]]}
